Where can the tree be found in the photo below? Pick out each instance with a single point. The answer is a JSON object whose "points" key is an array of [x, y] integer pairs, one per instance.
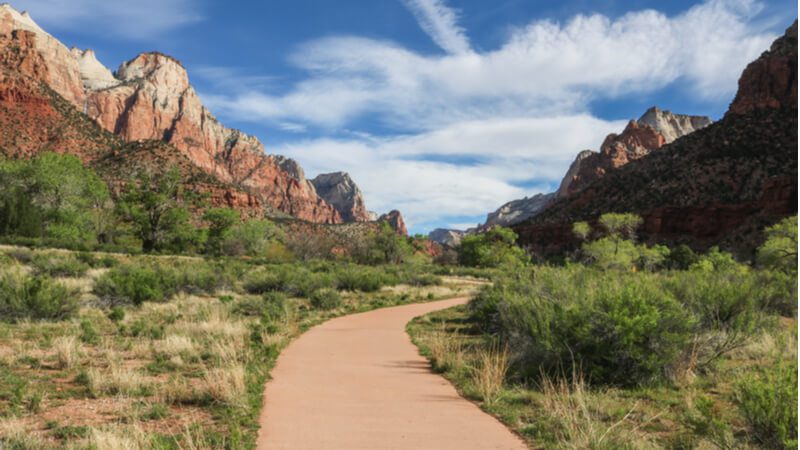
{"points": [[220, 221], [581, 230], [154, 206], [620, 226], [253, 238], [780, 249], [492, 248], [391, 247], [53, 196]]}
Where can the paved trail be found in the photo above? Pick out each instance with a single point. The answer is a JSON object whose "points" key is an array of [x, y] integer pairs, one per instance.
{"points": [[357, 382]]}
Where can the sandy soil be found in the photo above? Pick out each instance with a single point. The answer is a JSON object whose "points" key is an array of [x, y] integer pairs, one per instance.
{"points": [[357, 382]]}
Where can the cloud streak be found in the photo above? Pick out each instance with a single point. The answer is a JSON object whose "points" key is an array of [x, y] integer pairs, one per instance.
{"points": [[440, 22], [139, 20], [544, 68]]}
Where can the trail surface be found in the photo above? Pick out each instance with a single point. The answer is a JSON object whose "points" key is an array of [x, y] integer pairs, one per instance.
{"points": [[357, 382]]}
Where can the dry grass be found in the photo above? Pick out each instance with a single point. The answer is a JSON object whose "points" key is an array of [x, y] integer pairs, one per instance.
{"points": [[174, 345], [116, 380], [68, 351], [577, 421], [226, 385], [120, 438], [15, 435], [490, 373], [446, 350]]}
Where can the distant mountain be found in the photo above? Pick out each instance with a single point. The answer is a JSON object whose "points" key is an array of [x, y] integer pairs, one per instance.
{"points": [[339, 190], [718, 185], [48, 91], [448, 238], [652, 131]]}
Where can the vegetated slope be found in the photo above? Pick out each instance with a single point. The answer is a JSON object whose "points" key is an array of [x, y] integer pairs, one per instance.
{"points": [[149, 99], [34, 119], [719, 185]]}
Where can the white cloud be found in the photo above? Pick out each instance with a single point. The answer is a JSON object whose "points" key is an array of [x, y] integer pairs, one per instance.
{"points": [[502, 155], [472, 127], [140, 19], [544, 68], [441, 24]]}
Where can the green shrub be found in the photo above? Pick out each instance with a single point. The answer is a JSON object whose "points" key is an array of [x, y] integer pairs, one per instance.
{"points": [[769, 402], [139, 282], [621, 330], [117, 314], [134, 283], [325, 298], [360, 278], [89, 333], [59, 265], [492, 248], [292, 280], [35, 297]]}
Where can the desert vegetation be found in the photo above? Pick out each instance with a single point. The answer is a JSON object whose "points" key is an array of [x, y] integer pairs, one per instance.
{"points": [[125, 351], [632, 346]]}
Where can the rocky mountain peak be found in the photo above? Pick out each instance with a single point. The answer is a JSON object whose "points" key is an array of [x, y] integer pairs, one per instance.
{"points": [[341, 191], [672, 126], [94, 74], [516, 211], [771, 80], [395, 220]]}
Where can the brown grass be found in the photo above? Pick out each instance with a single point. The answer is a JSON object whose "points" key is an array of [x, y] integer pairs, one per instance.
{"points": [[490, 373], [68, 351], [226, 385]]}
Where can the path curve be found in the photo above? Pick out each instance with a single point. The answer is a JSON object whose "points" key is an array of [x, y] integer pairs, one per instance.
{"points": [[357, 382]]}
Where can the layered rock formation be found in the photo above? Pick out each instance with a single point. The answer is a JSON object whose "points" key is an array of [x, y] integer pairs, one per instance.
{"points": [[720, 185], [339, 190], [395, 220], [448, 238], [652, 131], [516, 211], [771, 80], [150, 98]]}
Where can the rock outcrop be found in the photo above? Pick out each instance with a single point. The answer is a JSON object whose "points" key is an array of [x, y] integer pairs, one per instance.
{"points": [[150, 98], [771, 80], [652, 131], [518, 210], [448, 238], [395, 220], [720, 185], [339, 190]]}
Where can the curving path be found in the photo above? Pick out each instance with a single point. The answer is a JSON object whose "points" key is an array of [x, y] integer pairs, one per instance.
{"points": [[357, 382]]}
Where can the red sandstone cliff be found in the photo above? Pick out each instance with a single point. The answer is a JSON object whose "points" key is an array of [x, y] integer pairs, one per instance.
{"points": [[720, 185], [150, 98]]}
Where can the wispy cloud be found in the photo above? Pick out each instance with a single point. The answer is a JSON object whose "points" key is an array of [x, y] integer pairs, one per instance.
{"points": [[140, 19], [441, 24], [518, 157], [544, 68], [474, 129]]}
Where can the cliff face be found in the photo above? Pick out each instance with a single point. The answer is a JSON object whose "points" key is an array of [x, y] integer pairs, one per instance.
{"points": [[150, 98], [652, 131], [771, 80], [395, 220], [516, 211], [716, 186], [339, 190]]}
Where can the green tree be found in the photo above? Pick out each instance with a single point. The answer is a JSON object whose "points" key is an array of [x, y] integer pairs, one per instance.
{"points": [[153, 204], [780, 249], [620, 226], [391, 247], [492, 248], [53, 196], [220, 222], [581, 230], [251, 238]]}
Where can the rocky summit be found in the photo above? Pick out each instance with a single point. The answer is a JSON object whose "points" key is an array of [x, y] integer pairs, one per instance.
{"points": [[339, 190], [448, 238], [516, 211], [147, 98], [720, 185], [655, 129]]}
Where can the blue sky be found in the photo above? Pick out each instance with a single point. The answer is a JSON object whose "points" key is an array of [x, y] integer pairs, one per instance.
{"points": [[443, 109]]}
